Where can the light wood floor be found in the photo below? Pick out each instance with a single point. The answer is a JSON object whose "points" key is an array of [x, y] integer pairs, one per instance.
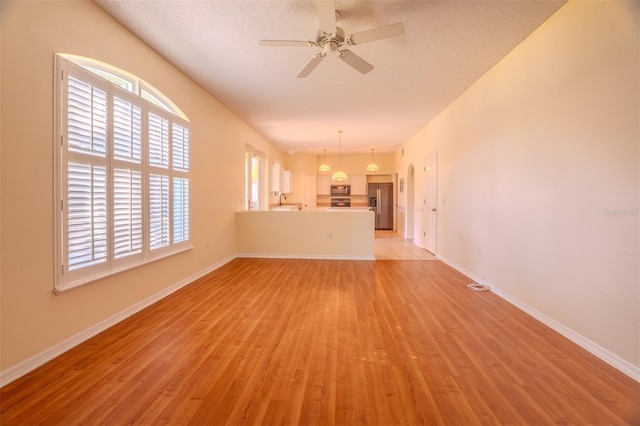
{"points": [[282, 341]]}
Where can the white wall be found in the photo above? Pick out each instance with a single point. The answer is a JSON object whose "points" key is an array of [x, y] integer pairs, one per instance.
{"points": [[538, 177], [32, 319]]}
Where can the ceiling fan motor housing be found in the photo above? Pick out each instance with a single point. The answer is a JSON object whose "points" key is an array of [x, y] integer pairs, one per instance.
{"points": [[338, 38]]}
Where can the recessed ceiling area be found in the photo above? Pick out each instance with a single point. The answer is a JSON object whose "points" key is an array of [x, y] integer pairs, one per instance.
{"points": [[445, 48]]}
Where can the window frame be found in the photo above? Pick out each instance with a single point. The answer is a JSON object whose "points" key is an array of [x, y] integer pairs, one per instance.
{"points": [[66, 278], [251, 155]]}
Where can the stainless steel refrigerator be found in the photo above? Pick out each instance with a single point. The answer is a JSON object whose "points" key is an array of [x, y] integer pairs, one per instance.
{"points": [[381, 202]]}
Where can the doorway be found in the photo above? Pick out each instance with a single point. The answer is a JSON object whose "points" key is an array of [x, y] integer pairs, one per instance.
{"points": [[431, 202]]}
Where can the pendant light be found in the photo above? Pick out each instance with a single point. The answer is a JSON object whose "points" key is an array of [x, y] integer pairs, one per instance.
{"points": [[339, 175], [373, 166], [324, 167]]}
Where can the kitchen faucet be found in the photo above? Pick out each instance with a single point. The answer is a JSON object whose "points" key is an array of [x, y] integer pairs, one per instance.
{"points": [[280, 198]]}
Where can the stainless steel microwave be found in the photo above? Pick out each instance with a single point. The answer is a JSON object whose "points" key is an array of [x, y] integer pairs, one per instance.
{"points": [[341, 190]]}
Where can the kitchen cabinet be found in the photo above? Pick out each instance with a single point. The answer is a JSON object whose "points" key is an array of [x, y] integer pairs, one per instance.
{"points": [[286, 187], [358, 184], [324, 185], [280, 179]]}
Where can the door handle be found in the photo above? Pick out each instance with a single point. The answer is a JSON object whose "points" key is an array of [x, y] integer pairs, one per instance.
{"points": [[433, 210]]}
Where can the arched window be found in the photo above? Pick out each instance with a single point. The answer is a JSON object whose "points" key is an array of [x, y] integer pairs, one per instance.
{"points": [[127, 81], [122, 172]]}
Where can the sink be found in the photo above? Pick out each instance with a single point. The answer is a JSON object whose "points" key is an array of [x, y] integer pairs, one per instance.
{"points": [[286, 208]]}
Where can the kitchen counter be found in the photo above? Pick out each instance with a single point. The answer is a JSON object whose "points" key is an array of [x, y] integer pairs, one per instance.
{"points": [[298, 205], [347, 209]]}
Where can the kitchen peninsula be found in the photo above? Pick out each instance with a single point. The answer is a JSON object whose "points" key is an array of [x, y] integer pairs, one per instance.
{"points": [[347, 234]]}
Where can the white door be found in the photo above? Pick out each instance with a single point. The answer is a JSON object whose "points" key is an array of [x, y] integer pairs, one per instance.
{"points": [[411, 206], [431, 202], [309, 193]]}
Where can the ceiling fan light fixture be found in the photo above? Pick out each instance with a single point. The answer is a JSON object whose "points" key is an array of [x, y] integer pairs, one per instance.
{"points": [[324, 167], [372, 167]]}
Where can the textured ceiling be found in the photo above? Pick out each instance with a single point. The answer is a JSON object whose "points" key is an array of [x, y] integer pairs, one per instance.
{"points": [[446, 46]]}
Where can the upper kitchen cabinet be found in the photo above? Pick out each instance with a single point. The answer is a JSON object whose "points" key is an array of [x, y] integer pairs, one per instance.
{"points": [[341, 182], [358, 184], [280, 179], [324, 184]]}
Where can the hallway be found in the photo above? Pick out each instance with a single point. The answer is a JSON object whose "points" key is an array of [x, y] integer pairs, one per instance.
{"points": [[389, 245]]}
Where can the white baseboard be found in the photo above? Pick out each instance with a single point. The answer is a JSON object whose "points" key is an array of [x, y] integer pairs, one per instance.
{"points": [[597, 350], [12, 373], [305, 256]]}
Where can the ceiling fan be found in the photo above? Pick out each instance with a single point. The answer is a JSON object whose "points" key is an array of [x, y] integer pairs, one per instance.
{"points": [[331, 38]]}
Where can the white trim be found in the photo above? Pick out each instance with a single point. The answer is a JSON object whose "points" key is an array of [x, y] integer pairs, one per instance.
{"points": [[305, 256], [12, 373], [125, 268], [610, 358]]}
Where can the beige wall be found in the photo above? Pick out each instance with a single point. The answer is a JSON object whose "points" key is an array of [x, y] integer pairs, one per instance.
{"points": [[538, 176], [32, 318], [356, 164]]}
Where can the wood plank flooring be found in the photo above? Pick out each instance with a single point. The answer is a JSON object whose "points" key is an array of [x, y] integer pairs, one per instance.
{"points": [[283, 341]]}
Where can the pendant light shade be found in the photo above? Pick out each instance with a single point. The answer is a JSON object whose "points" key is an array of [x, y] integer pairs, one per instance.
{"points": [[339, 175], [373, 166], [324, 167]]}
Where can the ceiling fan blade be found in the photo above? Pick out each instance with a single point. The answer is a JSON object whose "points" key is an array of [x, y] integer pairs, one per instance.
{"points": [[286, 43], [326, 10], [311, 65], [355, 61], [378, 33]]}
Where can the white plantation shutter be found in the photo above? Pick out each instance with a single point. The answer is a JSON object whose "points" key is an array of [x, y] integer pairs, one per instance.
{"points": [[87, 116], [127, 212], [127, 128], [180, 164], [158, 141], [159, 211], [123, 179], [180, 148], [87, 215], [86, 175], [158, 128], [127, 177], [180, 210]]}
